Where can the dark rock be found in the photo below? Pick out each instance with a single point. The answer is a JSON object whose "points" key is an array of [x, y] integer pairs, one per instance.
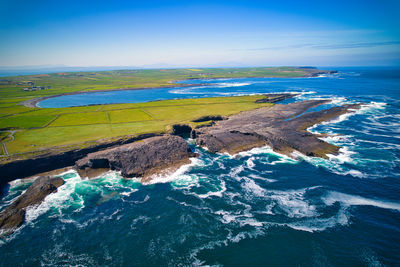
{"points": [[273, 98], [56, 158], [316, 73], [283, 127], [209, 118], [182, 130], [14, 215], [139, 159]]}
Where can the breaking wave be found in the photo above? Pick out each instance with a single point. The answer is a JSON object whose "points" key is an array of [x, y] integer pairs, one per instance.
{"points": [[220, 204]]}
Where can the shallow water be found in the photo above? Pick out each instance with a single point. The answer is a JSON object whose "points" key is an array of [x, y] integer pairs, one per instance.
{"points": [[256, 207]]}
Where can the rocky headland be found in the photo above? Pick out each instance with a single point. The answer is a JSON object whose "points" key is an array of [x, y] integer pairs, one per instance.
{"points": [[14, 215], [140, 159], [282, 127]]}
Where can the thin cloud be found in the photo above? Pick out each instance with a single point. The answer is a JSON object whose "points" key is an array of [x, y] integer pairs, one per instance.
{"points": [[321, 46], [355, 45]]}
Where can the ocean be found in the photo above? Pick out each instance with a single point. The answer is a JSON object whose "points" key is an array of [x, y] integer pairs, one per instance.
{"points": [[253, 208]]}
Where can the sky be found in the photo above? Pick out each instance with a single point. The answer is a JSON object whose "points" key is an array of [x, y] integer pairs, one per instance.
{"points": [[199, 33]]}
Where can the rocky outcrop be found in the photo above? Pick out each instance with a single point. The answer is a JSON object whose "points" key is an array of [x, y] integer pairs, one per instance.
{"points": [[283, 127], [57, 158], [14, 215], [314, 72], [273, 98], [323, 72], [139, 159]]}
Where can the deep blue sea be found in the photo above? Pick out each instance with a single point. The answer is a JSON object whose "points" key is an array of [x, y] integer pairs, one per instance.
{"points": [[256, 208]]}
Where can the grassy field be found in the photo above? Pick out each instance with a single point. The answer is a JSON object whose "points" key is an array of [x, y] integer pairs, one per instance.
{"points": [[67, 126], [26, 130]]}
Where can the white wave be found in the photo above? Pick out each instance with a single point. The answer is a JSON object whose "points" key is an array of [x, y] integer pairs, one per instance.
{"points": [[60, 199], [128, 193], [250, 221], [302, 95], [259, 151], [211, 245], [252, 188], [21, 182], [235, 84], [205, 148], [344, 156], [320, 224], [312, 130], [354, 200], [338, 139], [338, 101], [235, 171], [189, 90], [258, 177], [179, 173], [241, 217], [186, 181], [242, 235], [341, 118], [334, 163], [72, 193], [366, 108], [250, 163], [293, 203], [227, 217], [214, 193]]}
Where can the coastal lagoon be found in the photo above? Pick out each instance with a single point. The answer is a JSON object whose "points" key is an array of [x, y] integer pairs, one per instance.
{"points": [[253, 208]]}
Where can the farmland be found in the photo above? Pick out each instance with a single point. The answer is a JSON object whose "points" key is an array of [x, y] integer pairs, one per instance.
{"points": [[34, 130]]}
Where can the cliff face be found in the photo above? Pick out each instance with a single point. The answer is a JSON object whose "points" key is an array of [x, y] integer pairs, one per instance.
{"points": [[54, 159], [139, 159], [14, 215], [283, 127]]}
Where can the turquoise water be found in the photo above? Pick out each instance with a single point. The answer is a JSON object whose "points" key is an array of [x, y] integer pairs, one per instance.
{"points": [[253, 208]]}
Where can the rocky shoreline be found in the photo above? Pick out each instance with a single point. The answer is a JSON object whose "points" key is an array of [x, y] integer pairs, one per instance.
{"points": [[14, 215], [283, 127], [138, 159], [56, 159]]}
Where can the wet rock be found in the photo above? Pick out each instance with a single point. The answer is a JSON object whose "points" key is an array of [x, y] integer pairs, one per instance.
{"points": [[139, 159], [283, 127], [57, 157], [14, 215], [273, 98]]}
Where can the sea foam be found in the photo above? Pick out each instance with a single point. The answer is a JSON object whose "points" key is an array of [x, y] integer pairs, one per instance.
{"points": [[354, 200]]}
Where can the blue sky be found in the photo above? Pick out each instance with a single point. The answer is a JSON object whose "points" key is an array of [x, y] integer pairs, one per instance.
{"points": [[199, 33]]}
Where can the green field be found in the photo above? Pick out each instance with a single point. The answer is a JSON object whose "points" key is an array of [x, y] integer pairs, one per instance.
{"points": [[25, 130]]}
